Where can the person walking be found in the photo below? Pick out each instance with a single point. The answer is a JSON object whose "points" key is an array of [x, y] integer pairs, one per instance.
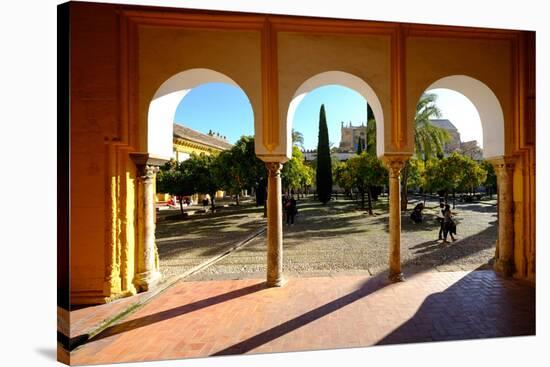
{"points": [[448, 224], [291, 210], [285, 203], [441, 219]]}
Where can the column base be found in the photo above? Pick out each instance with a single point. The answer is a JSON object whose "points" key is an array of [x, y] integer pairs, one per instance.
{"points": [[396, 277], [279, 282], [147, 281], [503, 267]]}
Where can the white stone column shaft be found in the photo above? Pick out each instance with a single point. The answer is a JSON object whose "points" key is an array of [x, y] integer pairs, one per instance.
{"points": [[274, 226], [504, 169], [148, 274], [395, 164]]}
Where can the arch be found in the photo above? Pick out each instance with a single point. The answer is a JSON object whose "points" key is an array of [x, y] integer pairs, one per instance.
{"points": [[488, 107], [344, 79], [162, 108]]}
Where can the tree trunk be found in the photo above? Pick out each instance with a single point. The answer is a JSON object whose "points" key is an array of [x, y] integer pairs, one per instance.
{"points": [[213, 201], [369, 195], [454, 199], [424, 197], [405, 175], [181, 205], [237, 199]]}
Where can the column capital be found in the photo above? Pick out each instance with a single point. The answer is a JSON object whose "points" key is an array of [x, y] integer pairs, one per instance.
{"points": [[274, 168], [147, 166], [147, 172], [395, 163], [503, 164]]}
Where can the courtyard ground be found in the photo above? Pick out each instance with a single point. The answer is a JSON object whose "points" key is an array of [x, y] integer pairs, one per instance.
{"points": [[186, 242], [333, 239]]}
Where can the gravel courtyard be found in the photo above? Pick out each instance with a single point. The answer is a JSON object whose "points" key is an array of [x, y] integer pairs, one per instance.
{"points": [[337, 238]]}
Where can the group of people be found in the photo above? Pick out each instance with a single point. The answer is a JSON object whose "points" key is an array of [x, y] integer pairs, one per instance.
{"points": [[289, 208], [447, 224]]}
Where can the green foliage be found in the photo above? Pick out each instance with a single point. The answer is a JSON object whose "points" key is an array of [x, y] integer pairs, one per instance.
{"points": [[416, 168], [491, 178], [238, 169], [295, 173], [473, 175], [343, 176], [454, 173], [232, 170], [367, 170], [361, 172], [297, 138], [202, 170], [324, 166], [174, 179], [428, 138], [359, 146], [371, 136]]}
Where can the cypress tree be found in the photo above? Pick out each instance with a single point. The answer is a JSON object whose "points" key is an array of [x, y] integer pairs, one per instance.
{"points": [[370, 113], [324, 166], [359, 146]]}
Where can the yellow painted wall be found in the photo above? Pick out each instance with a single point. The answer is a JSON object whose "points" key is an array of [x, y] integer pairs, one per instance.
{"points": [[94, 102], [103, 177], [233, 53], [430, 59], [302, 56]]}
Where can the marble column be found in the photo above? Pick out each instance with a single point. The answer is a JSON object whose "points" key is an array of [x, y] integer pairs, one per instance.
{"points": [[274, 226], [147, 275], [395, 165], [504, 260]]}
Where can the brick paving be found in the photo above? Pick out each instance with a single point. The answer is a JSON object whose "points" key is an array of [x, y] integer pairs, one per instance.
{"points": [[86, 319], [199, 319]]}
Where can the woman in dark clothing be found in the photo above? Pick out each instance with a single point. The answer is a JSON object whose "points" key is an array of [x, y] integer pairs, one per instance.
{"points": [[448, 224], [441, 222], [291, 210], [416, 215]]}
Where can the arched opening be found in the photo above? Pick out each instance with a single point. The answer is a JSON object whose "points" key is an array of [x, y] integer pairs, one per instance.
{"points": [[346, 80], [199, 120], [167, 98], [487, 105], [459, 132]]}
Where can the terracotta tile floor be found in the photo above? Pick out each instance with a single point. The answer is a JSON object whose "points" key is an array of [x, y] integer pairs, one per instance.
{"points": [[86, 319], [194, 319]]}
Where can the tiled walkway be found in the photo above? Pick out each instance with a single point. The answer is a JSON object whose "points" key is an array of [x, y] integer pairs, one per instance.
{"points": [[193, 319]]}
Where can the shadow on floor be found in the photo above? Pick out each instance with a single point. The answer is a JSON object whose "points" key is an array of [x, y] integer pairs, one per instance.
{"points": [[471, 309], [174, 312]]}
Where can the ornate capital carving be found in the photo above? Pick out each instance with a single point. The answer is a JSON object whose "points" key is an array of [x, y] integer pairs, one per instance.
{"points": [[504, 166], [274, 169], [147, 172], [147, 166], [394, 164]]}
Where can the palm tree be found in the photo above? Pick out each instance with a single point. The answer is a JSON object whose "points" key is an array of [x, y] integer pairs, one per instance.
{"points": [[429, 139], [297, 138]]}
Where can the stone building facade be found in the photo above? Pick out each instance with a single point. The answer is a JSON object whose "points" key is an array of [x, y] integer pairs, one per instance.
{"points": [[352, 136]]}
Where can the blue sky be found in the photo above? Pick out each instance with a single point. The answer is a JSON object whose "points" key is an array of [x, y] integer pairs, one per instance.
{"points": [[225, 109]]}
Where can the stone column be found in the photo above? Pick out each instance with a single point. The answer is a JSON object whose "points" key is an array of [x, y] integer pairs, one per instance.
{"points": [[147, 274], [504, 259], [394, 165], [274, 226]]}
